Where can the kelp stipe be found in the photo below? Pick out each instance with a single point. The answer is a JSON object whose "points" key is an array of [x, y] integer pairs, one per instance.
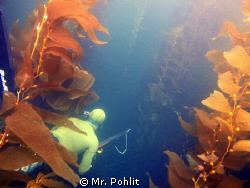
{"points": [[46, 56], [223, 134]]}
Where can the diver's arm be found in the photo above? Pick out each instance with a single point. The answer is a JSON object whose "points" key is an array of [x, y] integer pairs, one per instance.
{"points": [[87, 159]]}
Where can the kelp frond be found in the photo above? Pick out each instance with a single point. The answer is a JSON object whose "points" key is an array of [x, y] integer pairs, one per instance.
{"points": [[47, 64], [222, 134]]}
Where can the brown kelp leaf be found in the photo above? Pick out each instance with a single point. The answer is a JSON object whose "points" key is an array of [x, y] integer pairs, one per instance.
{"points": [[224, 67], [13, 139], [28, 125], [90, 3], [175, 180], [205, 119], [242, 145], [244, 104], [36, 182], [71, 9], [14, 157], [242, 135], [51, 65], [220, 148], [38, 91], [58, 9], [191, 129], [91, 97], [79, 28], [82, 80], [54, 183], [68, 156], [40, 12], [226, 129], [20, 38], [8, 102], [242, 120], [61, 52], [193, 161], [217, 101], [43, 180], [231, 182], [220, 169], [58, 48], [58, 100], [239, 58], [64, 73], [85, 101], [16, 39], [15, 175], [180, 167], [76, 93], [56, 119], [205, 136], [208, 157], [25, 76], [29, 26], [226, 83], [215, 56], [234, 34], [62, 37], [235, 161], [33, 183], [44, 88], [89, 24], [151, 183]]}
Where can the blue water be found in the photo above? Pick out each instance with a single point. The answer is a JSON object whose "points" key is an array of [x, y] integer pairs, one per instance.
{"points": [[122, 71]]}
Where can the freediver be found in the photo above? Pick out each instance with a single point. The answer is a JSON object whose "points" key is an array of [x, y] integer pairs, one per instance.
{"points": [[88, 145], [77, 142], [80, 143]]}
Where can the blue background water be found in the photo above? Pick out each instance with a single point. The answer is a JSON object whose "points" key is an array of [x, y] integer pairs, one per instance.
{"points": [[120, 69]]}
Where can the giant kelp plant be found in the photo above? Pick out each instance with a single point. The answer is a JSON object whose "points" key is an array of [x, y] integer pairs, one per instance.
{"points": [[179, 75], [47, 64], [222, 130]]}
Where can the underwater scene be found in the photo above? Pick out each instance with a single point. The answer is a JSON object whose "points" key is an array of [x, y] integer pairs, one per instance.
{"points": [[125, 93]]}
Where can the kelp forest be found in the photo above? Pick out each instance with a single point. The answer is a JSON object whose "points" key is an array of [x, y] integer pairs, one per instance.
{"points": [[46, 59], [221, 123], [198, 81]]}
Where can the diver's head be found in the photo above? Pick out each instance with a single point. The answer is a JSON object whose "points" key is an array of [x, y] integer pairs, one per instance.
{"points": [[96, 118]]}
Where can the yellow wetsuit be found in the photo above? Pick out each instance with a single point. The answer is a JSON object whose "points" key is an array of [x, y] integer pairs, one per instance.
{"points": [[78, 142]]}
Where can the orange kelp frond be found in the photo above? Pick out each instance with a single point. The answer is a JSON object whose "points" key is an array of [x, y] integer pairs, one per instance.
{"points": [[38, 138], [58, 9], [56, 119], [8, 102], [236, 37], [223, 129], [47, 64], [25, 76], [46, 181], [179, 175]]}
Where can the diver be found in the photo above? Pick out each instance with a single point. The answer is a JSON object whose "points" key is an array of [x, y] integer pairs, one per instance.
{"points": [[80, 143], [77, 142]]}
